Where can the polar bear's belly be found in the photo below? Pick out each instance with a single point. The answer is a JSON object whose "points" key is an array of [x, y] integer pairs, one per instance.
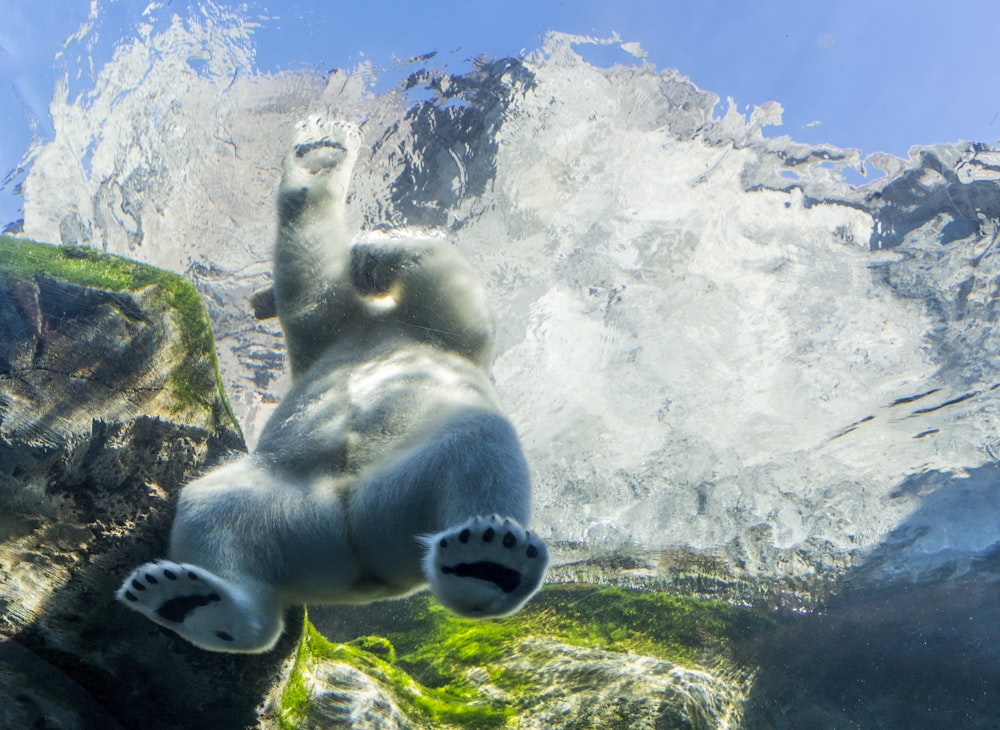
{"points": [[359, 414]]}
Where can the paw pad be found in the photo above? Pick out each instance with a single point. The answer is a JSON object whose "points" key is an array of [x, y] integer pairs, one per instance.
{"points": [[322, 145]]}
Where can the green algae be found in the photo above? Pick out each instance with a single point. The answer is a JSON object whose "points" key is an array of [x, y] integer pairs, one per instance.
{"points": [[452, 705], [191, 383], [435, 665], [677, 629]]}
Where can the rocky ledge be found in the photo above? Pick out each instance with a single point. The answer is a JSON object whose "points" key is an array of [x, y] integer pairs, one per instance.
{"points": [[574, 657], [110, 400]]}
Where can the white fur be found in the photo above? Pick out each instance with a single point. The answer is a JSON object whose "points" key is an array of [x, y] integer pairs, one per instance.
{"points": [[387, 466]]}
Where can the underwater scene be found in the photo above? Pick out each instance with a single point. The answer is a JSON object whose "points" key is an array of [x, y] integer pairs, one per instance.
{"points": [[755, 381]]}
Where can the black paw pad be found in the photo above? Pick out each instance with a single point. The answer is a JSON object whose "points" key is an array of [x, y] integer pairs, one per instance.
{"points": [[509, 540], [503, 577], [301, 150], [169, 574], [224, 636], [137, 585], [488, 535], [176, 609], [151, 579], [463, 536], [443, 543], [532, 551]]}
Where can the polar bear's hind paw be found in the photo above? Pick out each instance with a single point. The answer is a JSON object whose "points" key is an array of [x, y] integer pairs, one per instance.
{"points": [[201, 607], [487, 566]]}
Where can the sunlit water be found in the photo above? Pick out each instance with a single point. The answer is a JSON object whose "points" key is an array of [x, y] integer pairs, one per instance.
{"points": [[717, 352]]}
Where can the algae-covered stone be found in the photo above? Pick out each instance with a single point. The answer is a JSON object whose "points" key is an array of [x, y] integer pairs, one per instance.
{"points": [[575, 657], [110, 401], [109, 398], [88, 336]]}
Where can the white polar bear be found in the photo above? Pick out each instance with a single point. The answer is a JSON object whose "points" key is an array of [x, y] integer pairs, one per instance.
{"points": [[388, 464]]}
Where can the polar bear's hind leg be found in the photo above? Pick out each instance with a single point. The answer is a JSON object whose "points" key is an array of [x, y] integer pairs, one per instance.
{"points": [[207, 610]]}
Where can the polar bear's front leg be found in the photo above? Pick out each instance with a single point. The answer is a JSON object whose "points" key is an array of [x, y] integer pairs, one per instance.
{"points": [[488, 566], [210, 612], [312, 292]]}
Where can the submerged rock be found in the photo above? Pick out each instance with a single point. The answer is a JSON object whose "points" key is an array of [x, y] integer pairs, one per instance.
{"points": [[35, 694], [917, 657], [588, 657], [109, 401], [575, 657], [341, 695], [596, 688]]}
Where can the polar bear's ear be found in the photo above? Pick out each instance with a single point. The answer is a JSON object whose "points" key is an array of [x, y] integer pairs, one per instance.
{"points": [[264, 304]]}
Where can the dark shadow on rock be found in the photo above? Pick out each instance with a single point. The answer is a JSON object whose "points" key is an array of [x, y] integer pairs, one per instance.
{"points": [[912, 638], [143, 675], [33, 692]]}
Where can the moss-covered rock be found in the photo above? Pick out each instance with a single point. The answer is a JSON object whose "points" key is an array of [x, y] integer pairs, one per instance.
{"points": [[110, 400], [575, 657], [120, 337]]}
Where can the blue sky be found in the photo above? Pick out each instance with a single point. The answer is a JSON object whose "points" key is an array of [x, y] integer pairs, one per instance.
{"points": [[875, 75]]}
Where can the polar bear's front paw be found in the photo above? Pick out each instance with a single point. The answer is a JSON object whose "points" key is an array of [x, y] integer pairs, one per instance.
{"points": [[322, 144], [210, 612], [488, 566]]}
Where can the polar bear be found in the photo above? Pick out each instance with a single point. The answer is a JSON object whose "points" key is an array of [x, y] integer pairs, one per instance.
{"points": [[386, 467]]}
